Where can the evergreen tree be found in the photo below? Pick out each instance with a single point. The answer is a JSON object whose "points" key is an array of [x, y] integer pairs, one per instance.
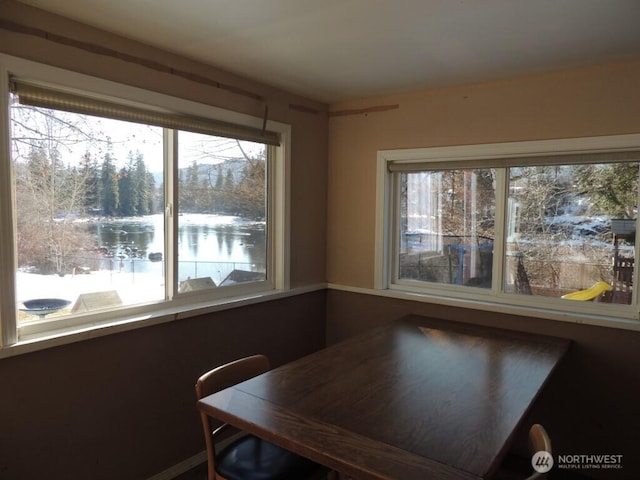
{"points": [[218, 191], [219, 177], [206, 200], [228, 187], [229, 181], [136, 188], [109, 195], [90, 173], [143, 189], [127, 193], [151, 195], [610, 188], [191, 189]]}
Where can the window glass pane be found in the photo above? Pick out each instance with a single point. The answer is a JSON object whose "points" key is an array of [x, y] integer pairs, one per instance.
{"points": [[571, 230], [89, 193], [222, 238], [447, 226]]}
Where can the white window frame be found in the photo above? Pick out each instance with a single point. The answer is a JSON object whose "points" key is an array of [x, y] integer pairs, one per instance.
{"points": [[493, 299], [182, 305]]}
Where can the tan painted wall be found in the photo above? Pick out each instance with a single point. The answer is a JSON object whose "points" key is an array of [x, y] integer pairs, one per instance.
{"points": [[587, 102], [591, 403], [123, 406]]}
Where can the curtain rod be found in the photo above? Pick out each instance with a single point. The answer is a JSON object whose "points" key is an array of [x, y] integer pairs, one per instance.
{"points": [[109, 52]]}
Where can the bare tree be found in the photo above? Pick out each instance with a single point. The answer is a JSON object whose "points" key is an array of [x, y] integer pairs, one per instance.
{"points": [[50, 195], [548, 243]]}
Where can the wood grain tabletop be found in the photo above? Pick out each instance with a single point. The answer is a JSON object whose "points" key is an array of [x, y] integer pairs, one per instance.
{"points": [[417, 398]]}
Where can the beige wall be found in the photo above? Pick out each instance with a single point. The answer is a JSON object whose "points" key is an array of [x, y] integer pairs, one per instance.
{"points": [[587, 102], [123, 406], [591, 403]]}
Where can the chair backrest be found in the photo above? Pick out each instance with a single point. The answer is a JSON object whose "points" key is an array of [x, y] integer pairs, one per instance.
{"points": [[218, 379], [539, 441], [231, 374]]}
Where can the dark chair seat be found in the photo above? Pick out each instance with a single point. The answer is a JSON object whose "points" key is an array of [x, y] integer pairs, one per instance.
{"points": [[251, 458], [248, 458]]}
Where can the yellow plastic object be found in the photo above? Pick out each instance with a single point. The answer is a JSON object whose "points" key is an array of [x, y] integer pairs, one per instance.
{"points": [[590, 293]]}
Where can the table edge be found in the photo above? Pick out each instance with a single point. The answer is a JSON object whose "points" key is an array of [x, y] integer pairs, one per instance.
{"points": [[391, 459]]}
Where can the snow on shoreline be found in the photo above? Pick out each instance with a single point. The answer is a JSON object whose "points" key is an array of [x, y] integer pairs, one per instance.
{"points": [[132, 288]]}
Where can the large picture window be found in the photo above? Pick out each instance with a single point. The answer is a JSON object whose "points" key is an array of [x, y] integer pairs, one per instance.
{"points": [[542, 225], [121, 208]]}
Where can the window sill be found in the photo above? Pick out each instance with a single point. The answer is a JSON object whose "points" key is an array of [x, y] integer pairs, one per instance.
{"points": [[524, 311], [64, 336]]}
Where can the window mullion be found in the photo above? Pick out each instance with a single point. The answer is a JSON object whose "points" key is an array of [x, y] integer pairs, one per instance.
{"points": [[384, 232], [499, 231], [170, 143], [394, 240], [272, 278], [8, 320]]}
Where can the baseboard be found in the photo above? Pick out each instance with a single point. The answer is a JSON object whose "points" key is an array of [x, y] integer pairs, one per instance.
{"points": [[180, 468]]}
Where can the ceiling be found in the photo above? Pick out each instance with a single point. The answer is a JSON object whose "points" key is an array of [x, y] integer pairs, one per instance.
{"points": [[333, 50]]}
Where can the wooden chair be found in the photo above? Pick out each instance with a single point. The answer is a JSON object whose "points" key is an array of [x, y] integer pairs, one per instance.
{"points": [[249, 457], [539, 441]]}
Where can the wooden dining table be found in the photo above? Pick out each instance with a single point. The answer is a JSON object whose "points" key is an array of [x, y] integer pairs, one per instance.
{"points": [[418, 398]]}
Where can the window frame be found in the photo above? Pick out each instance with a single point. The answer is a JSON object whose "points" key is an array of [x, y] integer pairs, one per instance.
{"points": [[499, 156], [176, 305]]}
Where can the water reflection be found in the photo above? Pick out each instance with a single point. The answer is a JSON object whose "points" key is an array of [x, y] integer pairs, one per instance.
{"points": [[208, 245]]}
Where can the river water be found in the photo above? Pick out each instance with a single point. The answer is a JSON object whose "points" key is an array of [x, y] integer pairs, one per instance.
{"points": [[208, 245]]}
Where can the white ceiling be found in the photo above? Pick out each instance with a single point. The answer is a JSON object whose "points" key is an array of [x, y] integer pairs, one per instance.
{"points": [[332, 50]]}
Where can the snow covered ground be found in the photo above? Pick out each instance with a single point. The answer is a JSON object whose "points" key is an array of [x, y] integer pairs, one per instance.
{"points": [[132, 288]]}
